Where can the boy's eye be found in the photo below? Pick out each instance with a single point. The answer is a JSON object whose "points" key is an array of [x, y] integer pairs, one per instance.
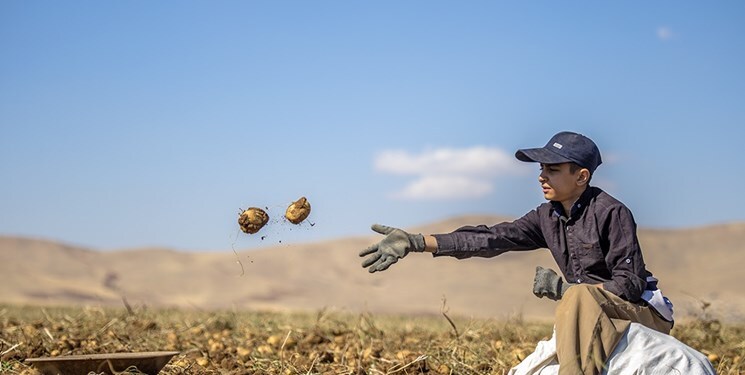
{"points": [[550, 169]]}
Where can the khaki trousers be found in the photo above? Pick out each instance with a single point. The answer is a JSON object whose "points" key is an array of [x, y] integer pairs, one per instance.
{"points": [[590, 322]]}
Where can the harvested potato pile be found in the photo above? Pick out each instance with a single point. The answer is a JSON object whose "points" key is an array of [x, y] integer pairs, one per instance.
{"points": [[252, 220], [298, 211]]}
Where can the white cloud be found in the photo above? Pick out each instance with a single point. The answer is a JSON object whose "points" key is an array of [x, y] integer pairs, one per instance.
{"points": [[444, 187], [664, 33], [468, 161], [448, 173]]}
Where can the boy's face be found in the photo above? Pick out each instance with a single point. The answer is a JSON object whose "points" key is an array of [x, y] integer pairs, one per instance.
{"points": [[560, 184]]}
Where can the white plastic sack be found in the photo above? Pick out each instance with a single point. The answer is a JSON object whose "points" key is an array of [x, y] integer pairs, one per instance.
{"points": [[641, 351]]}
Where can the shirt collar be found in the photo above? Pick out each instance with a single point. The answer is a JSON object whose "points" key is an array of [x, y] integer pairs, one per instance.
{"points": [[577, 207]]}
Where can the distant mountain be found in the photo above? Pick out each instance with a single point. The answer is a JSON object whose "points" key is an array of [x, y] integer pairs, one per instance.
{"points": [[693, 265]]}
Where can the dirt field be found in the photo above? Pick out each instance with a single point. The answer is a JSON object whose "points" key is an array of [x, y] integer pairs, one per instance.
{"points": [[327, 342]]}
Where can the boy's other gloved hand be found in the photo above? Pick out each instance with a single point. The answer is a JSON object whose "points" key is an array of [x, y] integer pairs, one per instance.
{"points": [[394, 246], [548, 284]]}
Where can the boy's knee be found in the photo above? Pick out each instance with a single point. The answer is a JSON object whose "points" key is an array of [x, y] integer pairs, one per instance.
{"points": [[585, 295]]}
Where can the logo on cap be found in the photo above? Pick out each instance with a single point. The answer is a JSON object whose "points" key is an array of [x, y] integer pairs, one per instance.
{"points": [[558, 145]]}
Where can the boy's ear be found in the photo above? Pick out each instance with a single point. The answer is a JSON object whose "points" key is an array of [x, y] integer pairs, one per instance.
{"points": [[583, 176]]}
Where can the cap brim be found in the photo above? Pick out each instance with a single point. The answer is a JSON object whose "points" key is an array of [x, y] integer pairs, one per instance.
{"points": [[540, 155]]}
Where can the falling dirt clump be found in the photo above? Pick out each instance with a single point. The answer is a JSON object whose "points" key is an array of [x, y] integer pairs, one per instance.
{"points": [[298, 211], [252, 220]]}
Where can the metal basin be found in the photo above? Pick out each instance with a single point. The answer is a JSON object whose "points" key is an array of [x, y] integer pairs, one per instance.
{"points": [[145, 362]]}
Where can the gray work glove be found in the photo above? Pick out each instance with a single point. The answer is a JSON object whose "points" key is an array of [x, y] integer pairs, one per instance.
{"points": [[393, 247], [548, 284]]}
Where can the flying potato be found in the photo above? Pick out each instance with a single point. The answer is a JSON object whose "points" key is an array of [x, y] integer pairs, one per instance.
{"points": [[298, 211], [252, 220]]}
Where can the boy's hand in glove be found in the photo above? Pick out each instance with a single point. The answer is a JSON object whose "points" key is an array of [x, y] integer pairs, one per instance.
{"points": [[548, 284], [396, 245]]}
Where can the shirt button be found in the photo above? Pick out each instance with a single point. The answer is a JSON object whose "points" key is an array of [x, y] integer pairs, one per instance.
{"points": [[628, 260], [579, 281]]}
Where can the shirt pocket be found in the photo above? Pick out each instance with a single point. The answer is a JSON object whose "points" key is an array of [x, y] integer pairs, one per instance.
{"points": [[592, 260]]}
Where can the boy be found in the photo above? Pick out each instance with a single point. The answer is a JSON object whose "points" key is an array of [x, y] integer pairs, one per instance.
{"points": [[592, 237]]}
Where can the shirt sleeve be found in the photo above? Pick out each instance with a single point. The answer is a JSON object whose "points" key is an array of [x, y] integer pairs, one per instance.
{"points": [[482, 241], [624, 257]]}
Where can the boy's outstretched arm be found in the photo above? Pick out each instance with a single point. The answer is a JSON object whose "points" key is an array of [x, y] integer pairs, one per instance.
{"points": [[524, 233]]}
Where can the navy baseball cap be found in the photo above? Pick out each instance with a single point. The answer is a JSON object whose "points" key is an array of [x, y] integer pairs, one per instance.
{"points": [[564, 147]]}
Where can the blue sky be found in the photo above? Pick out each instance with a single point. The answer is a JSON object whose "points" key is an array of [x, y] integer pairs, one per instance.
{"points": [[128, 124]]}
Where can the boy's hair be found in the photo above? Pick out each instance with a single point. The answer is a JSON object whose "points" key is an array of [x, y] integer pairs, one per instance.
{"points": [[574, 167]]}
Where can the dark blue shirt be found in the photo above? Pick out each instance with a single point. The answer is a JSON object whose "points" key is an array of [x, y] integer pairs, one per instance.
{"points": [[596, 243]]}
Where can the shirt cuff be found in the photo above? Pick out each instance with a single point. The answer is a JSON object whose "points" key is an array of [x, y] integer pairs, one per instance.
{"points": [[445, 244]]}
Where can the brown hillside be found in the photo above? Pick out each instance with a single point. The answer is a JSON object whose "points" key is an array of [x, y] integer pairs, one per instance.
{"points": [[699, 264]]}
